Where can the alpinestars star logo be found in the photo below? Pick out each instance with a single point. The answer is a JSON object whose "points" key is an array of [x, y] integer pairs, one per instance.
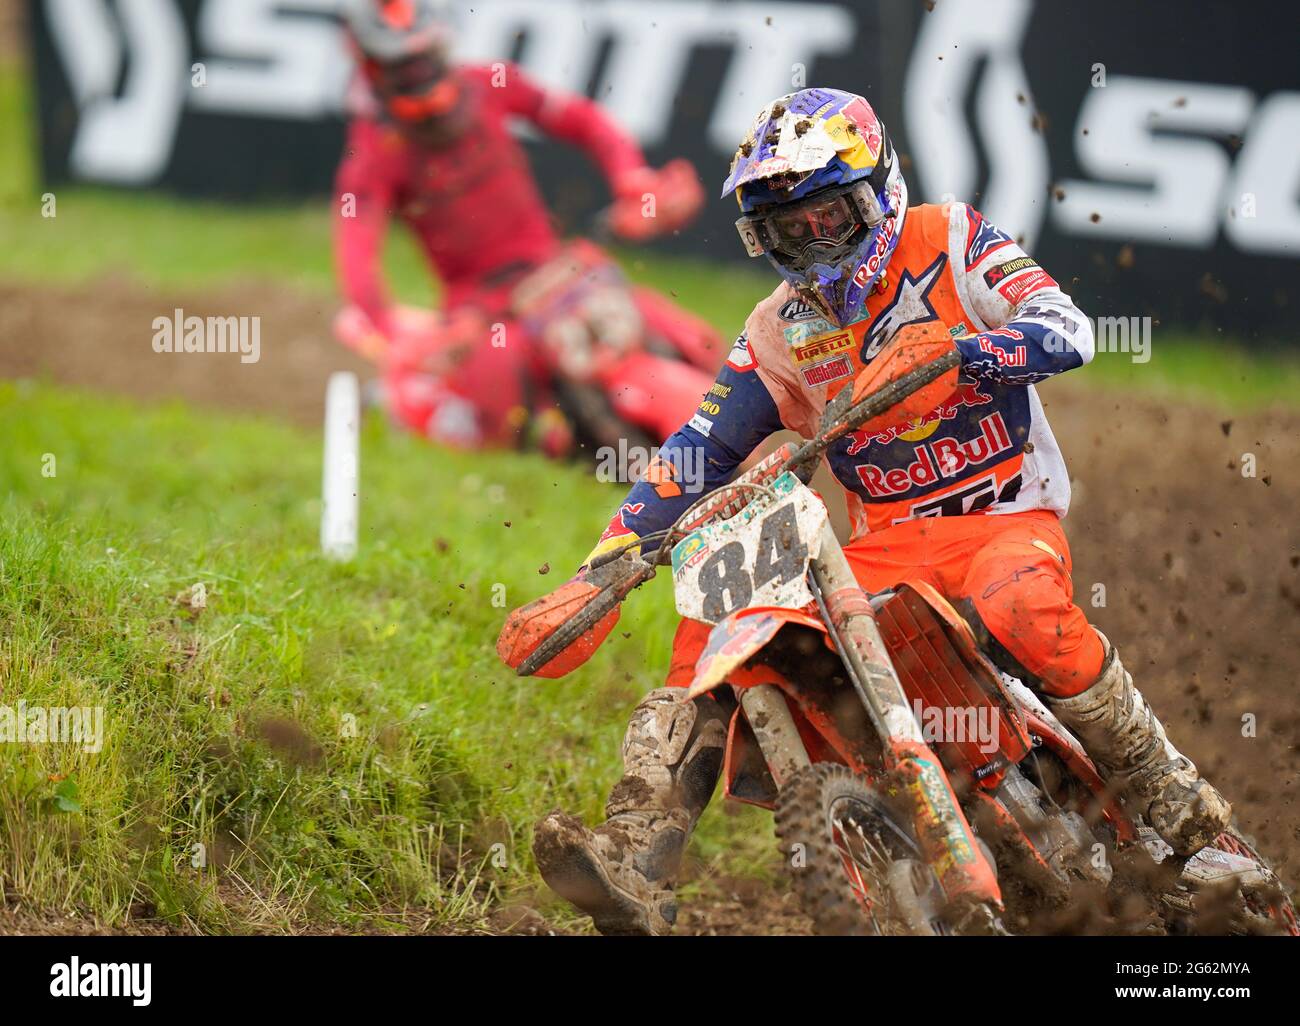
{"points": [[984, 238], [911, 305]]}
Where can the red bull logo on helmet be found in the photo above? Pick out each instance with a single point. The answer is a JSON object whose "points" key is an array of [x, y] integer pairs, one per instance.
{"points": [[860, 113], [884, 240]]}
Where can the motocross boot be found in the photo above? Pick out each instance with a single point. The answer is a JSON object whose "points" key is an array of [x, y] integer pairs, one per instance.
{"points": [[1130, 747], [622, 873]]}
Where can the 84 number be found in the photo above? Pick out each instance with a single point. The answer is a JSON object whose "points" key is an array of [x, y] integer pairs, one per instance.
{"points": [[725, 583]]}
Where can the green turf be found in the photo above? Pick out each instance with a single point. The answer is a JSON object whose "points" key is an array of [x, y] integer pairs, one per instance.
{"points": [[229, 727]]}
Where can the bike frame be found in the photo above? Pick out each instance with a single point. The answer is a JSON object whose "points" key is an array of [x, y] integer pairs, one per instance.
{"points": [[949, 844]]}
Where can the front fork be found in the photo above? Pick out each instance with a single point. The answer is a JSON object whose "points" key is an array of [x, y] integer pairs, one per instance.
{"points": [[946, 839]]}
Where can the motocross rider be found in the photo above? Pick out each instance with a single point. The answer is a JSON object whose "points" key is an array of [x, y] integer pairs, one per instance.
{"points": [[968, 498], [432, 144]]}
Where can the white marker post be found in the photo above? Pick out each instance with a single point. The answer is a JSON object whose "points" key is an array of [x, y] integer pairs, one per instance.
{"points": [[340, 485]]}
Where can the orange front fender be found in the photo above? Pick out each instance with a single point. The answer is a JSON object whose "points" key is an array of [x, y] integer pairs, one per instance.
{"points": [[735, 640]]}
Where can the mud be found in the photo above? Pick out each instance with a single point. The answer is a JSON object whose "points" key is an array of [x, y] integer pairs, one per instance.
{"points": [[741, 907], [102, 338], [1191, 568]]}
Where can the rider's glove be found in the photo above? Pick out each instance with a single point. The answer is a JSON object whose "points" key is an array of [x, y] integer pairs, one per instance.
{"points": [[648, 203], [360, 334], [912, 347]]}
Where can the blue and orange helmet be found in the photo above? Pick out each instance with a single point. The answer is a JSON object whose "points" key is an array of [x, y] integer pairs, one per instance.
{"points": [[821, 194]]}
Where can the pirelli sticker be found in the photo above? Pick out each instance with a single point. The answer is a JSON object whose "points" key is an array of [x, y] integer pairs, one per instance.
{"points": [[825, 358]]}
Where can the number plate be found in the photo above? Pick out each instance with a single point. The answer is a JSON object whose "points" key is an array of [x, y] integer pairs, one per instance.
{"points": [[757, 558]]}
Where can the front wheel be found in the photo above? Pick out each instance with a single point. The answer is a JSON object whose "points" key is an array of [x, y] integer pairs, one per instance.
{"points": [[857, 868]]}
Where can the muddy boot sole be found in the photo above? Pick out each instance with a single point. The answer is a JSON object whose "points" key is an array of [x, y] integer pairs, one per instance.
{"points": [[563, 849]]}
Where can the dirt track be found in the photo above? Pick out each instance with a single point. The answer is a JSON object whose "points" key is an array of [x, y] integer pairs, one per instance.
{"points": [[1201, 566], [101, 339]]}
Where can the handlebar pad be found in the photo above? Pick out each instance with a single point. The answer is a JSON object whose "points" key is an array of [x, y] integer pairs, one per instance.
{"points": [[557, 633]]}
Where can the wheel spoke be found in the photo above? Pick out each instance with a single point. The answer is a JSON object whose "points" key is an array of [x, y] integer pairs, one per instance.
{"points": [[843, 819], [852, 868], [873, 861]]}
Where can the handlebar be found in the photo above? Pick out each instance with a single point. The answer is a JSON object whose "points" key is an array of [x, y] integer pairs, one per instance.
{"points": [[841, 416]]}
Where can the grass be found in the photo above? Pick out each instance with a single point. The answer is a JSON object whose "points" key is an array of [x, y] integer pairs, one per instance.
{"points": [[341, 739], [1216, 371]]}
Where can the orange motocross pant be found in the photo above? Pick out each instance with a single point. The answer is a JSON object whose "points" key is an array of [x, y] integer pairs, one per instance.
{"points": [[1013, 569]]}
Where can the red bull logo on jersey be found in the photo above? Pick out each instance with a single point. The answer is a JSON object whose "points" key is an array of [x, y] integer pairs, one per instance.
{"points": [[917, 430], [618, 536], [618, 524], [933, 461], [1007, 356]]}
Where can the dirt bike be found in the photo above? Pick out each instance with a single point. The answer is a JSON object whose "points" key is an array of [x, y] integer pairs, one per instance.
{"points": [[999, 822], [625, 365]]}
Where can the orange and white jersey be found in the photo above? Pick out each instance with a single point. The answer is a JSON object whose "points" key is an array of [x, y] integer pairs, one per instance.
{"points": [[988, 449]]}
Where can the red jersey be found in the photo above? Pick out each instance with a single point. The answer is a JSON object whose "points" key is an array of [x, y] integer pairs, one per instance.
{"points": [[473, 203]]}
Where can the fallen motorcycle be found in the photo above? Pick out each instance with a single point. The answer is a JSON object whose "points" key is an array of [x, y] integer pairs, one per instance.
{"points": [[917, 789], [624, 364]]}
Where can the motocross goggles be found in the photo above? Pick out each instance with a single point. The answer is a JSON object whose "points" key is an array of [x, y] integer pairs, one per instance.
{"points": [[795, 233], [415, 89]]}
